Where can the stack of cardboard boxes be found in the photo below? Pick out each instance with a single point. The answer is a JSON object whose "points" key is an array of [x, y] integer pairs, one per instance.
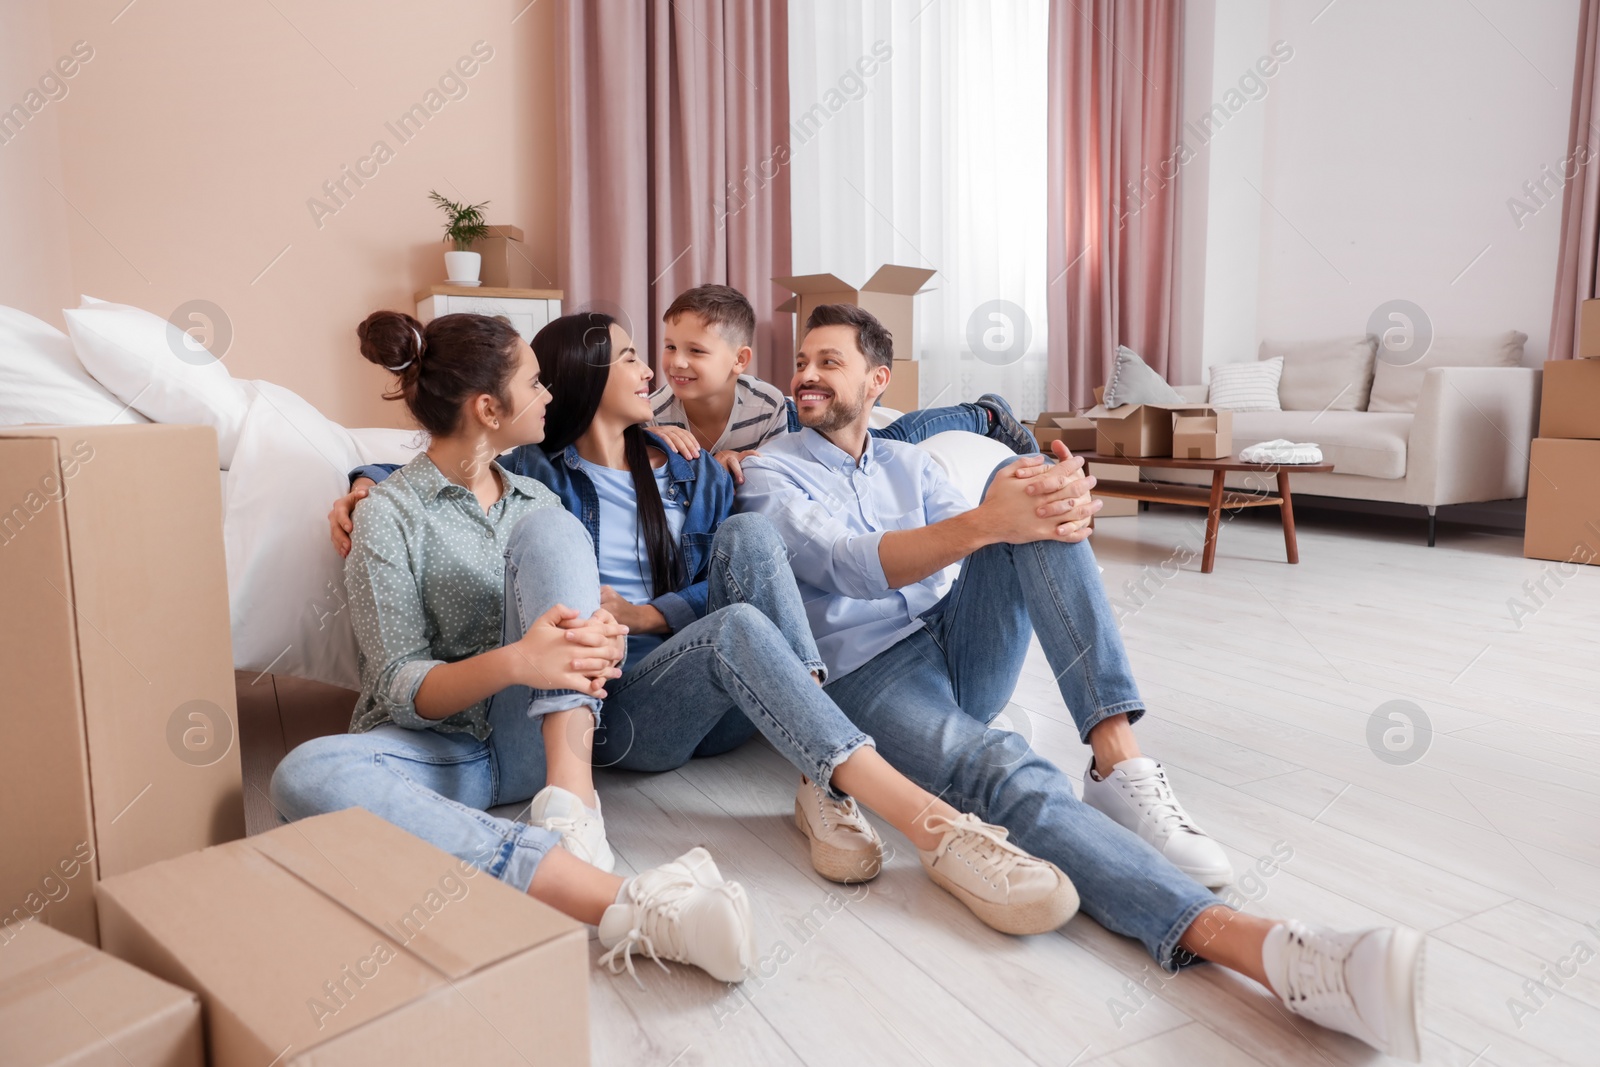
{"points": [[1564, 463], [122, 795], [888, 295]]}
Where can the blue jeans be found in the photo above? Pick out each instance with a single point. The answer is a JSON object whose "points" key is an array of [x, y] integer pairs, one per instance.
{"points": [[928, 699], [745, 666]]}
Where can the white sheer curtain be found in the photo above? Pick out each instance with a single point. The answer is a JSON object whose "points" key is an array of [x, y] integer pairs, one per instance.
{"points": [[936, 158]]}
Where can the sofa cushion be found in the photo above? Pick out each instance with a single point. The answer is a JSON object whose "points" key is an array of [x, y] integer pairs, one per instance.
{"points": [[1133, 381], [1355, 442], [1328, 375], [1396, 387]]}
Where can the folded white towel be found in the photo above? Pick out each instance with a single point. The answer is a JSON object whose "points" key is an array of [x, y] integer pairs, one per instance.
{"points": [[1281, 451]]}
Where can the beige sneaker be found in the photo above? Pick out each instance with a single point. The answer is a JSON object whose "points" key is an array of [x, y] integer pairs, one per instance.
{"points": [[1012, 891], [844, 846]]}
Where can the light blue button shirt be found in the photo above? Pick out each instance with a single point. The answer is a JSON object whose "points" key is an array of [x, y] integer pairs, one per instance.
{"points": [[831, 512]]}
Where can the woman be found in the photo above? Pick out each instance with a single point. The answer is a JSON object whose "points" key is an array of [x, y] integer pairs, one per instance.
{"points": [[719, 645], [451, 671]]}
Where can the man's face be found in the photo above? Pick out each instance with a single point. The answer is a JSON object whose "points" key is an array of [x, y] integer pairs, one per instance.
{"points": [[833, 382]]}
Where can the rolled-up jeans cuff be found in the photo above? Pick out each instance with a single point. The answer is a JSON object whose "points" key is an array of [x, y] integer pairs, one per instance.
{"points": [[1169, 954], [520, 856], [1133, 709], [823, 772], [545, 702], [817, 668]]}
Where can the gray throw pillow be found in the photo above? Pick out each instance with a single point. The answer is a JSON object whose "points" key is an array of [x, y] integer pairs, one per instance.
{"points": [[1330, 375], [1134, 382]]}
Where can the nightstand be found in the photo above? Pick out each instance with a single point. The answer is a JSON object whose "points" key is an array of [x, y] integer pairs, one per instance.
{"points": [[528, 310]]}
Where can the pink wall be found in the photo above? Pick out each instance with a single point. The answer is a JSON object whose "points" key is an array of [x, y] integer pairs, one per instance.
{"points": [[193, 142]]}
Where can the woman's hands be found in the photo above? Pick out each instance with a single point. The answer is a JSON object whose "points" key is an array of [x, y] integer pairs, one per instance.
{"points": [[638, 618], [563, 651], [341, 520]]}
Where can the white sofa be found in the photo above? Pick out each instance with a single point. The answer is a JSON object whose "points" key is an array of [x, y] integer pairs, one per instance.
{"points": [[1467, 442]]}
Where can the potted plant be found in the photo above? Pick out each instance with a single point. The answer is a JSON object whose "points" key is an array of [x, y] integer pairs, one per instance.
{"points": [[465, 226]]}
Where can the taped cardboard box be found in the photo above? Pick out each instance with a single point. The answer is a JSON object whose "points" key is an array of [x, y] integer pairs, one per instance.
{"points": [[116, 659], [343, 940], [1139, 430], [1202, 436], [63, 1002], [1589, 330], [887, 294], [1563, 501], [905, 387], [1569, 404]]}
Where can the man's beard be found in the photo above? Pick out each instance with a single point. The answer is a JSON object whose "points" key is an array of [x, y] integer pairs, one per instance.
{"points": [[838, 414]]}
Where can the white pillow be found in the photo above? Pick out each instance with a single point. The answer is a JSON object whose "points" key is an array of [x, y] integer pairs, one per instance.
{"points": [[1396, 387], [41, 379], [1246, 386], [1329, 375], [159, 370]]}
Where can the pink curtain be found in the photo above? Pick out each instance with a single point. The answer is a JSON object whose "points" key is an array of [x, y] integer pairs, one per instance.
{"points": [[673, 160], [1115, 83], [1580, 200]]}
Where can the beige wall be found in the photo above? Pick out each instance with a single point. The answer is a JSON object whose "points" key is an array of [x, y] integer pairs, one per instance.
{"points": [[34, 271], [192, 142]]}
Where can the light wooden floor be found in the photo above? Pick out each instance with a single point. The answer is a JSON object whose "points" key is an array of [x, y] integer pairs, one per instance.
{"points": [[1261, 680]]}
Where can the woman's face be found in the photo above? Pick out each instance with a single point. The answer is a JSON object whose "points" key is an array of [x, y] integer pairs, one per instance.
{"points": [[627, 395], [523, 424]]}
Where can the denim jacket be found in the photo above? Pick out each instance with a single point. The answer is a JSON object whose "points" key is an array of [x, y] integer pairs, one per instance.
{"points": [[704, 487]]}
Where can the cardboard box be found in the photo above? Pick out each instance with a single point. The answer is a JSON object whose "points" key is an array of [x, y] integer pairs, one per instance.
{"points": [[1569, 405], [116, 659], [1139, 429], [1111, 473], [1202, 436], [1076, 432], [343, 940], [1589, 330], [887, 295], [1563, 501], [63, 1002], [904, 387], [506, 263]]}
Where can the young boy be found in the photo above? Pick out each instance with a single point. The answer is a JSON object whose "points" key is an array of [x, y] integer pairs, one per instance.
{"points": [[715, 405]]}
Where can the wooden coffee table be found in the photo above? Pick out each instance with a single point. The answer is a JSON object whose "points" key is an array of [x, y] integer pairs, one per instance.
{"points": [[1213, 500]]}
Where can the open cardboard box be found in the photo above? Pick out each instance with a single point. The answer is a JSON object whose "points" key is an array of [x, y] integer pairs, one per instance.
{"points": [[116, 659], [343, 940], [1140, 430], [1072, 430], [63, 1002], [887, 294], [904, 391]]}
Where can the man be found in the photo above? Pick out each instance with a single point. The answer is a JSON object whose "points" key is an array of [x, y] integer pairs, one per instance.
{"points": [[869, 526]]}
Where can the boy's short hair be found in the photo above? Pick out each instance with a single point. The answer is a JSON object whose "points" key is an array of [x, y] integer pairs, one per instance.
{"points": [[720, 306], [872, 337]]}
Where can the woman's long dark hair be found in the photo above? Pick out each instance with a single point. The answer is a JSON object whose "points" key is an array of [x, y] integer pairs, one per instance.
{"points": [[575, 359]]}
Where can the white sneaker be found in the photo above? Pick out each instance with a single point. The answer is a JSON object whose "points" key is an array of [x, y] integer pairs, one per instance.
{"points": [[844, 846], [1137, 796], [683, 911], [1011, 890], [583, 832], [1367, 984]]}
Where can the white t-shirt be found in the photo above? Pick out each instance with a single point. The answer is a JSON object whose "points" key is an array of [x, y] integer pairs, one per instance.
{"points": [[760, 413]]}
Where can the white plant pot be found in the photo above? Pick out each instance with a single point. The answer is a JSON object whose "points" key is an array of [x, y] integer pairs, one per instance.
{"points": [[463, 266]]}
